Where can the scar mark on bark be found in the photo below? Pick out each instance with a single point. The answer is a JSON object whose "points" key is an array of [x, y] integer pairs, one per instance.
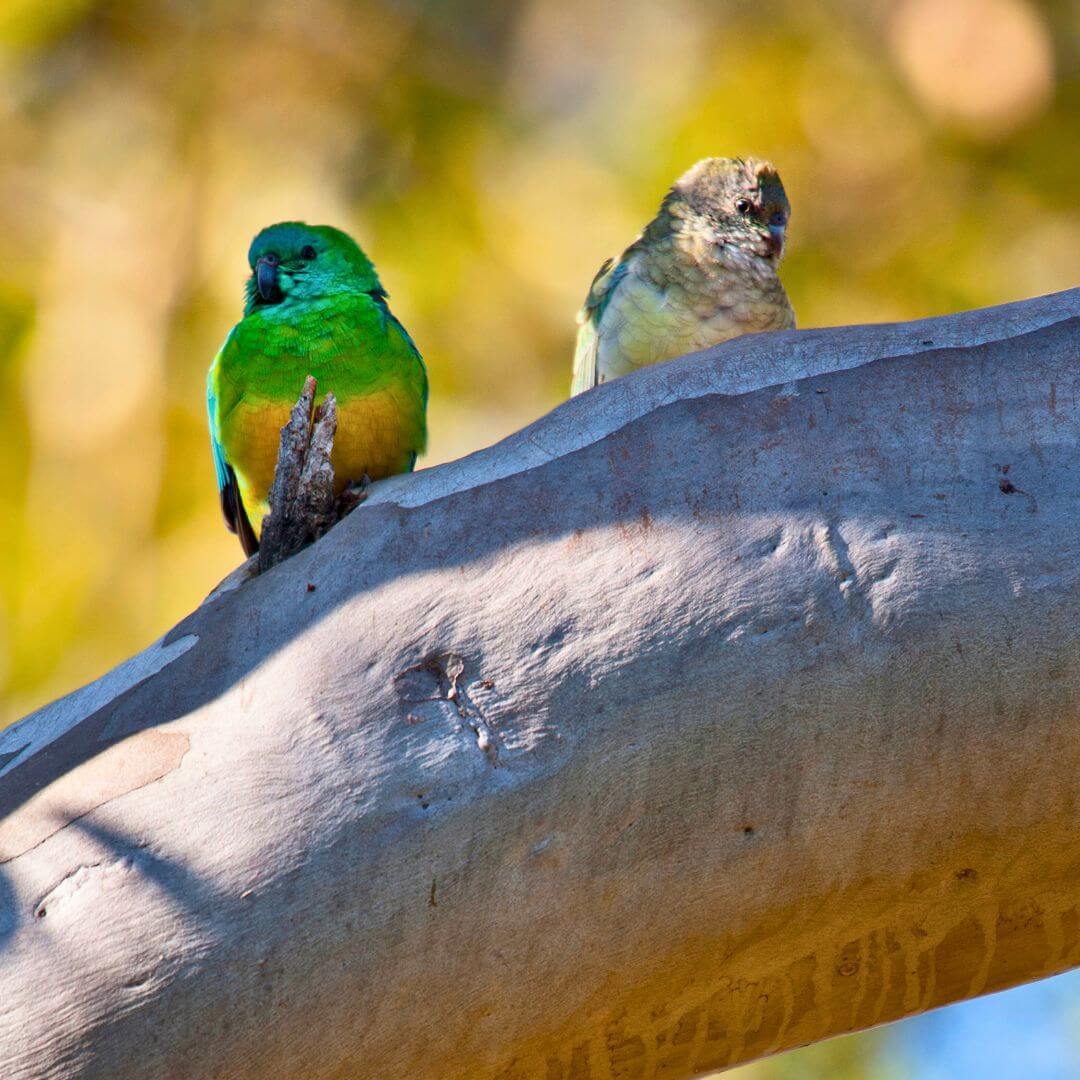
{"points": [[1007, 487], [439, 678], [79, 878], [836, 555], [120, 769]]}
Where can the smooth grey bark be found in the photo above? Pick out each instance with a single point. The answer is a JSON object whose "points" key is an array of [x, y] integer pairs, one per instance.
{"points": [[730, 706]]}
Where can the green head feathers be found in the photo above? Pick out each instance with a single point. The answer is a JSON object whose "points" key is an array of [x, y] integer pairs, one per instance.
{"points": [[739, 202], [293, 262]]}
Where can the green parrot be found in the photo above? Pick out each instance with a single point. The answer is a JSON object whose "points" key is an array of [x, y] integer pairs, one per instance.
{"points": [[702, 271], [313, 306]]}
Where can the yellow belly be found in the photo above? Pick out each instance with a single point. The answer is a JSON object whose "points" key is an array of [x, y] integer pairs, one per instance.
{"points": [[645, 328], [371, 440], [643, 325]]}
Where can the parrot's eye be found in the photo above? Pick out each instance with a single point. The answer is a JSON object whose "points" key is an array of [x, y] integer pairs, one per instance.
{"points": [[307, 252], [779, 218], [744, 206]]}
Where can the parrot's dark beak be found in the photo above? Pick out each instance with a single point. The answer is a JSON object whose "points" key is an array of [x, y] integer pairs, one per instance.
{"points": [[266, 279]]}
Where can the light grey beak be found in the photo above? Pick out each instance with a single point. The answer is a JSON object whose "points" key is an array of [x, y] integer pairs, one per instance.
{"points": [[776, 239]]}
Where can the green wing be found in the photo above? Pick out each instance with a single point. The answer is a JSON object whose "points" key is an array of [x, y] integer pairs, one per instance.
{"points": [[232, 506], [380, 296], [588, 340]]}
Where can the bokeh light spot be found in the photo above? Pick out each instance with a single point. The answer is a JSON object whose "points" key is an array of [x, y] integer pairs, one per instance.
{"points": [[984, 65]]}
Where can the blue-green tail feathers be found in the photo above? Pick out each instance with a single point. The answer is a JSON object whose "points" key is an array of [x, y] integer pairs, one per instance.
{"points": [[232, 505]]}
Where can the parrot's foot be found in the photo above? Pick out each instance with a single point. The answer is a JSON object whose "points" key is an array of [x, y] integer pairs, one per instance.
{"points": [[353, 495], [302, 503]]}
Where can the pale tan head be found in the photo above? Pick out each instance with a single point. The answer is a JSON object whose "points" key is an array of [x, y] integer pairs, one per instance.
{"points": [[738, 202]]}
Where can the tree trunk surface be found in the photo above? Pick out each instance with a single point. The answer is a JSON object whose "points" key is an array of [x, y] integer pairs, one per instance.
{"points": [[730, 706]]}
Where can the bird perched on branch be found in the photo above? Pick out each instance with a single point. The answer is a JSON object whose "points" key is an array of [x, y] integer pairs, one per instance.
{"points": [[702, 271], [313, 306]]}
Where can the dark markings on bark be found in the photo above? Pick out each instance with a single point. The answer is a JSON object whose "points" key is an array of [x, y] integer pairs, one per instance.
{"points": [[302, 505]]}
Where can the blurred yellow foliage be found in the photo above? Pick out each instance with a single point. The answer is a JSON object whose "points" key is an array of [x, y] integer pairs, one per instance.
{"points": [[488, 156]]}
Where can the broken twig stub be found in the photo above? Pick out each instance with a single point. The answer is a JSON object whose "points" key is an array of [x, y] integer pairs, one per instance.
{"points": [[302, 495]]}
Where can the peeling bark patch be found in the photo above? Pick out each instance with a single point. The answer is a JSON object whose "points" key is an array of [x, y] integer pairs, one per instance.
{"points": [[121, 768], [47, 725], [439, 679]]}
